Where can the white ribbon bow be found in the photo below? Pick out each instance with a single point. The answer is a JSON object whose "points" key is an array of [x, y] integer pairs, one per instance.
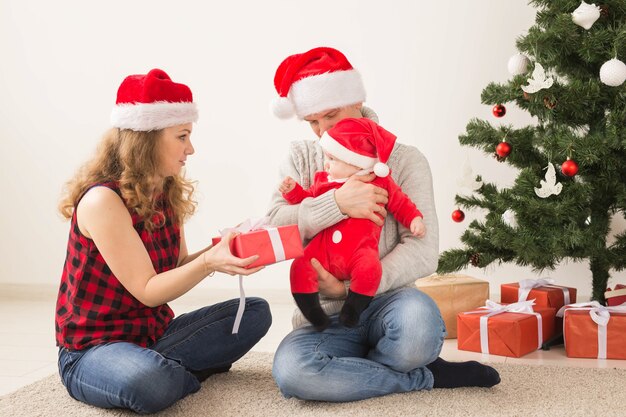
{"points": [[250, 225], [600, 315], [493, 308], [526, 285]]}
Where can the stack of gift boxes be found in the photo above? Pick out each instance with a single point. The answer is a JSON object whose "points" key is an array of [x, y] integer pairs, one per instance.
{"points": [[530, 313]]}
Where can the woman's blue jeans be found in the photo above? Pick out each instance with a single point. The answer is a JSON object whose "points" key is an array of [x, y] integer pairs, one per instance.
{"points": [[146, 380], [398, 334]]}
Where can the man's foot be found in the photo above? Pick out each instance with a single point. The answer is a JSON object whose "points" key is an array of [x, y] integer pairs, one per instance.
{"points": [[205, 373], [462, 374]]}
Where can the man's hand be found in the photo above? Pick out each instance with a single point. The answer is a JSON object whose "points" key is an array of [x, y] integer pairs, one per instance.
{"points": [[329, 286], [360, 200], [287, 185], [417, 227]]}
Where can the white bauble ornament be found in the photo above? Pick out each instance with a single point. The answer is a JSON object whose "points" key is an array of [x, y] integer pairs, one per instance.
{"points": [[613, 72], [518, 64], [509, 218], [586, 15]]}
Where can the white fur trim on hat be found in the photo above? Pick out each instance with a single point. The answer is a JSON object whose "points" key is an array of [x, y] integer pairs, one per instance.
{"points": [[282, 108], [336, 149], [145, 117], [327, 91]]}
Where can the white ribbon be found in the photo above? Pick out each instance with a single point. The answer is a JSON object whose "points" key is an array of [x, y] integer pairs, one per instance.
{"points": [[250, 225], [600, 315], [493, 308], [526, 285]]}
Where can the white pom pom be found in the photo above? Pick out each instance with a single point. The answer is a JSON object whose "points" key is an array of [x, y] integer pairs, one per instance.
{"points": [[381, 170], [518, 64], [613, 72], [283, 108]]}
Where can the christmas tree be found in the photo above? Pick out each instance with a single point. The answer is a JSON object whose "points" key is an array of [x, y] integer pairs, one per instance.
{"points": [[571, 163]]}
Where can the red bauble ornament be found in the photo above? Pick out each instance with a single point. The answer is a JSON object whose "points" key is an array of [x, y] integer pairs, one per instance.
{"points": [[569, 168], [498, 110], [503, 149], [458, 215]]}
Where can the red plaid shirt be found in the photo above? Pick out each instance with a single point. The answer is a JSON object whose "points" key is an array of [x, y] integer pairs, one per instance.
{"points": [[93, 307]]}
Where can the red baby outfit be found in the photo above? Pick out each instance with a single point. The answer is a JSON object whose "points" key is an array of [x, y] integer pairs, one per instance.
{"points": [[349, 249]]}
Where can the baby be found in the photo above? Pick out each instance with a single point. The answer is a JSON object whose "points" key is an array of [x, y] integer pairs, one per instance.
{"points": [[349, 249]]}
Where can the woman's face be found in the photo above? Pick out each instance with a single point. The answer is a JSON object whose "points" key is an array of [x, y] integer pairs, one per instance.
{"points": [[174, 147]]}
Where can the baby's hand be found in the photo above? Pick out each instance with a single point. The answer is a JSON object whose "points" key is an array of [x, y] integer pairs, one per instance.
{"points": [[287, 185], [417, 227]]}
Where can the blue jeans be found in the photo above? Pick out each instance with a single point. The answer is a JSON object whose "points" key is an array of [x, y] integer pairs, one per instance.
{"points": [[146, 380], [398, 334]]}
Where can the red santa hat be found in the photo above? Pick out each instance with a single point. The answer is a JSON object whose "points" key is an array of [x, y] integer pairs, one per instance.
{"points": [[317, 80], [152, 101], [360, 142]]}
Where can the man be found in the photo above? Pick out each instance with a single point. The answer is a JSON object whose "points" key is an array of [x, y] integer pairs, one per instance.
{"points": [[395, 346]]}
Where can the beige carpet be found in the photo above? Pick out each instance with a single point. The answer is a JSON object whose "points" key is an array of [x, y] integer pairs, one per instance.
{"points": [[248, 390]]}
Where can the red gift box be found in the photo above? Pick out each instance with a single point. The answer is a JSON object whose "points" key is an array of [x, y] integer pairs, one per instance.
{"points": [[594, 331], [272, 244], [544, 295], [617, 296], [513, 334]]}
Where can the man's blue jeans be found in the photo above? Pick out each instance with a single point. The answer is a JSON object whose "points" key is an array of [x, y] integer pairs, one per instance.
{"points": [[398, 334], [146, 380]]}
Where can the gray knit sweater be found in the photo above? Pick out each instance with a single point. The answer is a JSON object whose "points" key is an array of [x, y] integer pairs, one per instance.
{"points": [[404, 258]]}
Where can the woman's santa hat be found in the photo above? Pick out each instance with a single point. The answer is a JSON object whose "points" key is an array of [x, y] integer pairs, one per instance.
{"points": [[152, 101], [360, 142], [317, 80]]}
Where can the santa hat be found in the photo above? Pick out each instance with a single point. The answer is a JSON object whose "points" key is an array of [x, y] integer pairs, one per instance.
{"points": [[317, 80], [152, 101], [360, 142]]}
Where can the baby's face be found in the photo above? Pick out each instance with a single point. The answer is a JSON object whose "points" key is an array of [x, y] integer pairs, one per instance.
{"points": [[337, 168]]}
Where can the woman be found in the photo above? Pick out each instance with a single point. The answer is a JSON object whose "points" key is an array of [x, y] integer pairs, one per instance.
{"points": [[119, 343]]}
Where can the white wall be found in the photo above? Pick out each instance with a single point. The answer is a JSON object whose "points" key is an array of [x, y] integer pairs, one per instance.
{"points": [[424, 66]]}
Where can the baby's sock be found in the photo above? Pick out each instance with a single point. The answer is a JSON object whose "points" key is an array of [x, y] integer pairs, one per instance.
{"points": [[462, 374]]}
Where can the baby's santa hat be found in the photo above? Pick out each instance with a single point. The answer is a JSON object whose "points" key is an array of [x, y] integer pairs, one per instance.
{"points": [[317, 80], [360, 142], [152, 101]]}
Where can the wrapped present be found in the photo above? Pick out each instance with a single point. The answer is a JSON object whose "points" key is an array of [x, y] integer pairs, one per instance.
{"points": [[507, 330], [543, 291], [592, 330], [272, 244], [454, 294], [617, 296]]}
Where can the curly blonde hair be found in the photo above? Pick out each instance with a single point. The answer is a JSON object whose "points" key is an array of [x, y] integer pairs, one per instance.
{"points": [[130, 158]]}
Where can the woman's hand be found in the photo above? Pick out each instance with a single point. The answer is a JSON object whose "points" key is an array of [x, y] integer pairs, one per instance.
{"points": [[329, 286], [220, 259], [359, 199]]}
